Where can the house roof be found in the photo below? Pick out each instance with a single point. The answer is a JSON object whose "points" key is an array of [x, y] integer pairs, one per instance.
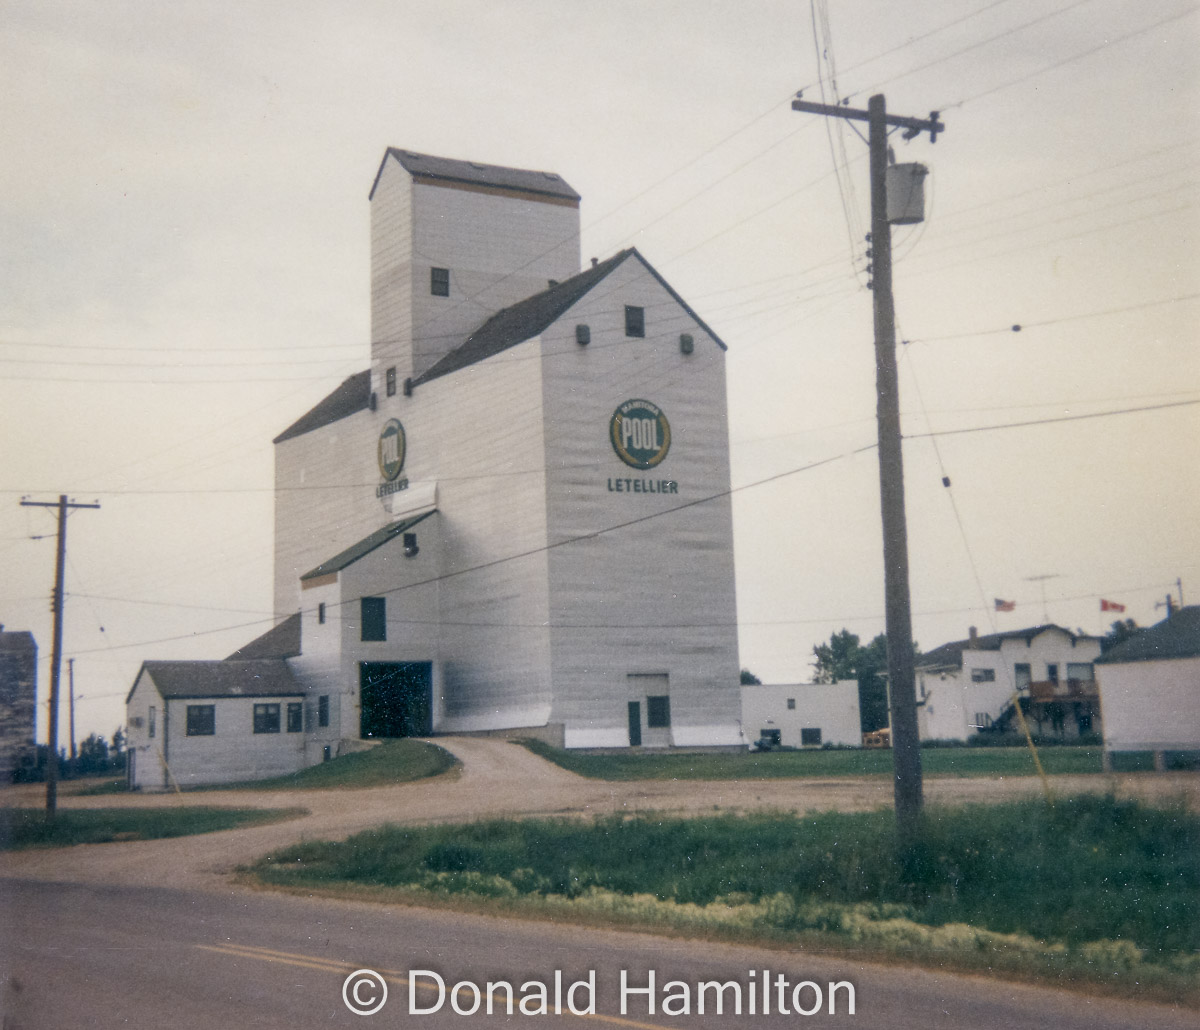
{"points": [[532, 316], [261, 677], [1177, 636], [352, 396], [19, 640], [475, 173], [951, 654], [281, 641], [365, 546]]}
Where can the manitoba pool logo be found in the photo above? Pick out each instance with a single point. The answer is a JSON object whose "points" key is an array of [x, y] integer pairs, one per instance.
{"points": [[391, 449], [641, 434]]}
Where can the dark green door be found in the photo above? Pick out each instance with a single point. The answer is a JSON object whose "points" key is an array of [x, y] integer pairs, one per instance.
{"points": [[397, 699], [635, 723]]}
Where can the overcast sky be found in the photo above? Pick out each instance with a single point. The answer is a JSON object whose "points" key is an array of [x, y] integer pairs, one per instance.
{"points": [[184, 271]]}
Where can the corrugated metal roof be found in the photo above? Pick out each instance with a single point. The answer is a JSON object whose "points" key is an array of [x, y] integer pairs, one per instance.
{"points": [[263, 677], [365, 546], [1175, 637], [281, 641], [532, 316], [476, 173], [951, 654], [352, 396]]}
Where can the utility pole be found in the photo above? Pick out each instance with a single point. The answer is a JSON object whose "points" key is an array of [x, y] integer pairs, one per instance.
{"points": [[906, 744], [63, 506], [71, 708]]}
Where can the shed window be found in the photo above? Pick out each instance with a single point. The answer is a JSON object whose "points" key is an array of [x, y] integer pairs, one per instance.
{"points": [[791, 704], [810, 738], [390, 377], [266, 718], [374, 618], [152, 722], [635, 321], [658, 712], [321, 612], [983, 675], [439, 282], [201, 720], [323, 710], [295, 717]]}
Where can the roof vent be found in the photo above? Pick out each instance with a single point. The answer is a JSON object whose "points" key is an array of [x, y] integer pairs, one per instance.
{"points": [[550, 175], [552, 282], [595, 262], [476, 164]]}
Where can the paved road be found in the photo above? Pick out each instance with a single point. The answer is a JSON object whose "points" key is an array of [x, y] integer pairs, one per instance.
{"points": [[93, 956], [153, 934]]}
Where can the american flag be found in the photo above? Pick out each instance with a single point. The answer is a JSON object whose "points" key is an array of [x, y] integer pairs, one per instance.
{"points": [[1005, 606]]}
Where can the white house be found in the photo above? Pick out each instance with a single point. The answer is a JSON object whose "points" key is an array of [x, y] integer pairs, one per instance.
{"points": [[518, 517], [967, 686], [802, 714], [1150, 688]]}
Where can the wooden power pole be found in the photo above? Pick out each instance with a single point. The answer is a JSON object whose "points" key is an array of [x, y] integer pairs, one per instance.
{"points": [[63, 506], [906, 744]]}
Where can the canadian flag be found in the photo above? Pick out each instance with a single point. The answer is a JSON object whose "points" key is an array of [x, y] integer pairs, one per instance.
{"points": [[1110, 606]]}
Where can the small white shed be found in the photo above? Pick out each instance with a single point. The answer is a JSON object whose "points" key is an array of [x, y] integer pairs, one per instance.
{"points": [[802, 714]]}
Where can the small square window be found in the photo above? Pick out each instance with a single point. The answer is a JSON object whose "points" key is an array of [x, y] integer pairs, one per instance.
{"points": [[390, 377], [983, 675], [439, 282], [810, 738], [295, 717], [791, 704], [635, 321], [374, 618], [321, 612], [266, 718], [658, 712], [201, 720], [323, 710]]}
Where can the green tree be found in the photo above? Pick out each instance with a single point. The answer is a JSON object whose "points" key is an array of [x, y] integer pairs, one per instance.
{"points": [[749, 679], [844, 658], [1121, 630]]}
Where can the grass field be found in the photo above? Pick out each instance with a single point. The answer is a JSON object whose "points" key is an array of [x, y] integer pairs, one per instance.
{"points": [[950, 761], [29, 828], [1091, 887]]}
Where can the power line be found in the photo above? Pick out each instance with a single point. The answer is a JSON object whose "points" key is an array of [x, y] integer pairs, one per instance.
{"points": [[1049, 421]]}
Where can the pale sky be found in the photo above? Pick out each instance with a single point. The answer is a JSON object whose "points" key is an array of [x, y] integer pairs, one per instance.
{"points": [[184, 271]]}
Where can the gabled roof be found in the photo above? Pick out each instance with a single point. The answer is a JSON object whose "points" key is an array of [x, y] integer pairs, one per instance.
{"points": [[1177, 636], [951, 654], [532, 316], [474, 173], [263, 677], [352, 396], [365, 546], [281, 641]]}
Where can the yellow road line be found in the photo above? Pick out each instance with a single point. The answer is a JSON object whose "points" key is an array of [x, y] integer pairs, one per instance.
{"points": [[390, 975]]}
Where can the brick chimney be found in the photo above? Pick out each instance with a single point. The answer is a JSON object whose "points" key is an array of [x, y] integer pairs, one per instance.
{"points": [[972, 638]]}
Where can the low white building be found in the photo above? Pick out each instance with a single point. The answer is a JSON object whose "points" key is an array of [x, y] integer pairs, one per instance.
{"points": [[1150, 688], [802, 714], [968, 686]]}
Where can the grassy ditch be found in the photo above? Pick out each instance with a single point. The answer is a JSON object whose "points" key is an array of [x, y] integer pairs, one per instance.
{"points": [[956, 761], [394, 761], [1093, 888], [29, 828]]}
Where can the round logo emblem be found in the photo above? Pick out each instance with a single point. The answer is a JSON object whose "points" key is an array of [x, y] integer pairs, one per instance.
{"points": [[391, 449], [641, 434]]}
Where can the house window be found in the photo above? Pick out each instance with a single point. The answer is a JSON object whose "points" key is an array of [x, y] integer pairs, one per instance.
{"points": [[635, 321], [266, 718], [1052, 672], [1022, 674], [323, 710], [658, 712], [983, 675], [1081, 671], [391, 382], [201, 720], [374, 618], [152, 721], [439, 282], [810, 738], [295, 717], [321, 613], [791, 704]]}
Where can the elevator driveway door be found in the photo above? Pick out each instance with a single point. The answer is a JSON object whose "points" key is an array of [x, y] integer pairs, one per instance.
{"points": [[397, 699]]}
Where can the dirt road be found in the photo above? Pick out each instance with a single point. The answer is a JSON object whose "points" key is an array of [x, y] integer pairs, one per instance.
{"points": [[497, 779]]}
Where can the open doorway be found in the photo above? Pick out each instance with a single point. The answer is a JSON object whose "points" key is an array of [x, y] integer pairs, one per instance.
{"points": [[397, 699]]}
